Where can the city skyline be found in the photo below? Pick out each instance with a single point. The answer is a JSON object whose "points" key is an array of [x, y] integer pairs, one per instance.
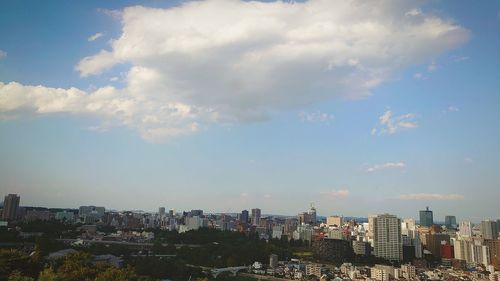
{"points": [[358, 107]]}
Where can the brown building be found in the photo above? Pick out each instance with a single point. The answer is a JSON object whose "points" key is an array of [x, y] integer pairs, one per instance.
{"points": [[494, 246], [434, 242]]}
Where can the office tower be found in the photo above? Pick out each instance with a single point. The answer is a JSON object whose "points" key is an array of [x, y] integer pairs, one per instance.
{"points": [[256, 216], [450, 222], [244, 216], [312, 214], [10, 207], [198, 213], [334, 221], [489, 230], [161, 211], [387, 239], [465, 229], [434, 242], [426, 218]]}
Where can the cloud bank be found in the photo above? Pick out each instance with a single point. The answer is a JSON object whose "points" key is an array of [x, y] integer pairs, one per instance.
{"points": [[240, 61]]}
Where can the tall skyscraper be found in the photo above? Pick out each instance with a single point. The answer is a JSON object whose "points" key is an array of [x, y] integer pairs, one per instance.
{"points": [[244, 216], [10, 207], [489, 230], [387, 239], [161, 211], [450, 222], [312, 214], [256, 216], [426, 218]]}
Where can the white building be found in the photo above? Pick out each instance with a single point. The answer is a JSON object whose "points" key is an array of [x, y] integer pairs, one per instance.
{"points": [[387, 239]]}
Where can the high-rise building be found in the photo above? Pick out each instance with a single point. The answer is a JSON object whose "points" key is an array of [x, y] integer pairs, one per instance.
{"points": [[465, 229], [161, 211], [450, 222], [312, 214], [256, 216], [334, 221], [387, 239], [10, 207], [304, 218], [244, 216], [489, 230], [494, 247], [434, 242], [426, 218]]}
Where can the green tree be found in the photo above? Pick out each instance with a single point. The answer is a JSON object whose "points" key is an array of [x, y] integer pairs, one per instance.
{"points": [[48, 274], [17, 276]]}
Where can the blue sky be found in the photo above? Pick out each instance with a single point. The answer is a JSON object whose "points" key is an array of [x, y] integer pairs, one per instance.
{"points": [[213, 105]]}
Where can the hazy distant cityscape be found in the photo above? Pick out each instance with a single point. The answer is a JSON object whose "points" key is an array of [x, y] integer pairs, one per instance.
{"points": [[380, 247]]}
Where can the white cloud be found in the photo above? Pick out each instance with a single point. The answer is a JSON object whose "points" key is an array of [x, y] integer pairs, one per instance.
{"points": [[155, 121], [389, 124], [3, 54], [316, 117], [386, 166], [341, 193], [453, 108], [95, 36], [432, 67], [413, 12], [431, 196], [114, 79], [418, 76], [230, 61], [468, 160], [96, 64]]}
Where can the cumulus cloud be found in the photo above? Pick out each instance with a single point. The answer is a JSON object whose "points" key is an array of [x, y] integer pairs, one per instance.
{"points": [[341, 193], [386, 166], [3, 54], [453, 108], [431, 196], [241, 61], [155, 121], [95, 36], [389, 124], [316, 117], [96, 64]]}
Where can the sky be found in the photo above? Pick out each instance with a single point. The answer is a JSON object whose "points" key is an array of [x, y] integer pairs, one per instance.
{"points": [[356, 107]]}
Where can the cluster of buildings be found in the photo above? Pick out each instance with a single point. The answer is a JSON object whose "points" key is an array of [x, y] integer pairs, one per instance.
{"points": [[334, 239]]}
